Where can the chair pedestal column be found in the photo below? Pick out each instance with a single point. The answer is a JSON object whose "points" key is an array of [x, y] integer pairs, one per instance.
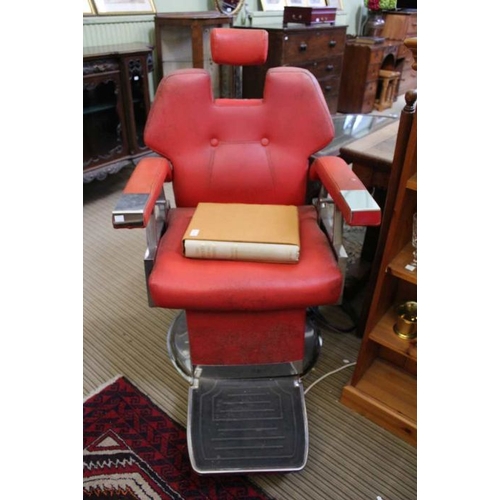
{"points": [[246, 337]]}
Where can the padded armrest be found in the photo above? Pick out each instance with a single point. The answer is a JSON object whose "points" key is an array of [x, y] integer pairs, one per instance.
{"points": [[348, 192], [137, 202]]}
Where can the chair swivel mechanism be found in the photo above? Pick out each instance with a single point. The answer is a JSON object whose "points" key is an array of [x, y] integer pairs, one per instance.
{"points": [[242, 337]]}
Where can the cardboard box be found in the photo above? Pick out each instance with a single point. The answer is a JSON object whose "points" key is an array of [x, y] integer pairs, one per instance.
{"points": [[239, 231]]}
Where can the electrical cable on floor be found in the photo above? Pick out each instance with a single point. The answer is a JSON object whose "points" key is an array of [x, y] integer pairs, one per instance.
{"points": [[327, 374]]}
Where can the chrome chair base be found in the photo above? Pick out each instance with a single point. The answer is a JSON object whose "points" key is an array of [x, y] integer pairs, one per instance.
{"points": [[246, 418]]}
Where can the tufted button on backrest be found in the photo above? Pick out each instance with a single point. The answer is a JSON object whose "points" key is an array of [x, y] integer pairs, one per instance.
{"points": [[241, 150]]}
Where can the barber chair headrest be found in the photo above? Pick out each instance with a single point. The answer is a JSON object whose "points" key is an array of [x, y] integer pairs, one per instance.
{"points": [[239, 47]]}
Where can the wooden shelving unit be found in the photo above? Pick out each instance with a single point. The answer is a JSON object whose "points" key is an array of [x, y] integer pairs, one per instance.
{"points": [[384, 384]]}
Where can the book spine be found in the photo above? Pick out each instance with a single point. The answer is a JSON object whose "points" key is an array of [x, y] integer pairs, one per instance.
{"points": [[228, 250]]}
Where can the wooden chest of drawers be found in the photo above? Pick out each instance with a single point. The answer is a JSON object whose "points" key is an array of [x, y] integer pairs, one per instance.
{"points": [[358, 88], [320, 49]]}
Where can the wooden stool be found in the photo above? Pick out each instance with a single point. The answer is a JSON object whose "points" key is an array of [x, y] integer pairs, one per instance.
{"points": [[388, 82]]}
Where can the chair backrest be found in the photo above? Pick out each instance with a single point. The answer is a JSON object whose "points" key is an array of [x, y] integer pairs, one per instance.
{"points": [[239, 150]]}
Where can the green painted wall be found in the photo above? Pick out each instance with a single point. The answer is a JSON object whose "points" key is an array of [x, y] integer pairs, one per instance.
{"points": [[109, 30], [105, 30]]}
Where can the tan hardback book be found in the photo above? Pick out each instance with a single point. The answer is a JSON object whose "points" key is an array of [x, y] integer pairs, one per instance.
{"points": [[239, 231]]}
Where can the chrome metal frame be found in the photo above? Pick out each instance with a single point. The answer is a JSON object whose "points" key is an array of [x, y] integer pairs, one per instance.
{"points": [[130, 212], [332, 222], [154, 231]]}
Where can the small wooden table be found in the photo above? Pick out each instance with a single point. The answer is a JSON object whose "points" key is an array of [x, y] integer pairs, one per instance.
{"points": [[352, 128], [196, 22], [349, 129], [371, 158]]}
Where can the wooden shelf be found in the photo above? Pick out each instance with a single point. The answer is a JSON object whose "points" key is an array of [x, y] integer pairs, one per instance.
{"points": [[387, 395], [383, 334], [398, 265], [383, 387]]}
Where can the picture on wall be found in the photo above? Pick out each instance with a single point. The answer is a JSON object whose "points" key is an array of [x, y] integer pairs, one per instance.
{"points": [[338, 4], [111, 7], [268, 5], [296, 3], [88, 8]]}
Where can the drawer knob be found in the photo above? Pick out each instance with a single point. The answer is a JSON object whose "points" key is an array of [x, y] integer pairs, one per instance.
{"points": [[329, 67], [328, 88], [303, 46], [332, 43]]}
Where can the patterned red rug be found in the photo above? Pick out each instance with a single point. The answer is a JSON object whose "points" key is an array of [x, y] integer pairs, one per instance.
{"points": [[132, 450]]}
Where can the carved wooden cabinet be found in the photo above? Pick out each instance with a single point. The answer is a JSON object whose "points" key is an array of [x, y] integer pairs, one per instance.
{"points": [[116, 104], [360, 82], [319, 48], [399, 26], [360, 74]]}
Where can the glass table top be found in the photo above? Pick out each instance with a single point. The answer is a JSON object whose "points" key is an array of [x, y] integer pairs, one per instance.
{"points": [[350, 127]]}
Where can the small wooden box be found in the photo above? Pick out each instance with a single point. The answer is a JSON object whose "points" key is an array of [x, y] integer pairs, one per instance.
{"points": [[309, 15]]}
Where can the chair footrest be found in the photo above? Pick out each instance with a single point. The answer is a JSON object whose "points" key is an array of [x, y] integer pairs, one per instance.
{"points": [[247, 425]]}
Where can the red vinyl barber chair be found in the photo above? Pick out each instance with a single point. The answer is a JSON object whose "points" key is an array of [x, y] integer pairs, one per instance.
{"points": [[243, 338]]}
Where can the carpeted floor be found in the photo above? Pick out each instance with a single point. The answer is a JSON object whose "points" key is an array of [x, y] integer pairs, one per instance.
{"points": [[133, 450], [350, 458]]}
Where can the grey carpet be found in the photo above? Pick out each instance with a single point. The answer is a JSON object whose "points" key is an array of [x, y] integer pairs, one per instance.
{"points": [[350, 458]]}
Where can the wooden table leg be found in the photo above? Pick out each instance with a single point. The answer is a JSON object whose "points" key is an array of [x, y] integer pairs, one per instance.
{"points": [[197, 45]]}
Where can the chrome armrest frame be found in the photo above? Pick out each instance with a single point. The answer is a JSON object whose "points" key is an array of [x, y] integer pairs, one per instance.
{"points": [[332, 222], [154, 231], [130, 213]]}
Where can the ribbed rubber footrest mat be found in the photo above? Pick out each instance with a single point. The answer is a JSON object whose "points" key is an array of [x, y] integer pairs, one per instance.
{"points": [[247, 425]]}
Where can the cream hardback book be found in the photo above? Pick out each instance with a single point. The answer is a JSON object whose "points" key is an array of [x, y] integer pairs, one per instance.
{"points": [[240, 231]]}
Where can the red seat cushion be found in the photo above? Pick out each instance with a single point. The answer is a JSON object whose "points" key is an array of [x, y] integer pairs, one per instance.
{"points": [[177, 282]]}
